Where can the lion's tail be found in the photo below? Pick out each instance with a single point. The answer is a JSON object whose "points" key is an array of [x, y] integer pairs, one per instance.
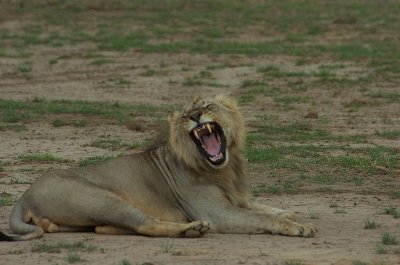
{"points": [[23, 230]]}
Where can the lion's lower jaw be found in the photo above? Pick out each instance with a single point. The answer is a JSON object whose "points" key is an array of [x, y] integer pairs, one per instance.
{"points": [[222, 165]]}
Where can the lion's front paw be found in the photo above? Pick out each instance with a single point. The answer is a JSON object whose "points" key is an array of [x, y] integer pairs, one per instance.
{"points": [[307, 230], [197, 229], [295, 229]]}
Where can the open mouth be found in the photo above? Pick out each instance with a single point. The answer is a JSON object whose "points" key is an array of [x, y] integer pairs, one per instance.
{"points": [[210, 140]]}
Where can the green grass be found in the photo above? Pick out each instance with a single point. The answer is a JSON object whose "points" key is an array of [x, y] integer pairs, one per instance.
{"points": [[111, 144], [392, 135], [94, 159], [260, 189], [358, 262], [395, 194], [293, 262], [43, 158], [125, 262], [4, 201], [391, 210], [16, 111], [349, 160], [167, 247], [149, 72], [13, 127], [388, 239], [73, 257], [380, 249], [368, 224], [58, 247], [218, 26], [63, 122], [99, 62]]}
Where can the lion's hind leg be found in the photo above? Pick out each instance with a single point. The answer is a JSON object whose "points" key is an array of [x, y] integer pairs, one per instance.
{"points": [[112, 230]]}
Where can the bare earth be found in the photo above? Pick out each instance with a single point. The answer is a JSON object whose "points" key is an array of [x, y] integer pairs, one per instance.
{"points": [[341, 238]]}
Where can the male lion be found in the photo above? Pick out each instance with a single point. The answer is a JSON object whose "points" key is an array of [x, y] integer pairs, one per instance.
{"points": [[192, 184]]}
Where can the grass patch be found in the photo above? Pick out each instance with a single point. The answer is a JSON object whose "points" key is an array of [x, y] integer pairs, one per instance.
{"points": [[43, 158], [149, 72], [125, 262], [380, 249], [75, 123], [391, 210], [15, 111], [313, 214], [169, 247], [13, 127], [73, 257], [358, 262], [388, 239], [395, 194], [108, 144], [293, 262], [58, 247], [259, 189], [99, 62], [94, 159], [6, 201], [391, 135], [368, 224]]}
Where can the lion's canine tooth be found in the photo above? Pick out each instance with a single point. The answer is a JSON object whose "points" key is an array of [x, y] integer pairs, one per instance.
{"points": [[209, 128], [196, 134]]}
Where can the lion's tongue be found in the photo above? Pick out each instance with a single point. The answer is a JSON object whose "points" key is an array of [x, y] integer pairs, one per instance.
{"points": [[211, 144]]}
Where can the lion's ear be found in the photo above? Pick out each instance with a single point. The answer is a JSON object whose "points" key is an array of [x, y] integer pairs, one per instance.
{"points": [[228, 102]]}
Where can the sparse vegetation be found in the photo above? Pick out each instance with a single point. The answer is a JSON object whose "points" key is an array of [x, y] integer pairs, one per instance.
{"points": [[16, 111], [58, 247], [368, 224], [43, 158], [5, 201], [73, 257], [380, 249], [75, 123], [111, 144], [313, 214], [94, 159], [388, 239], [125, 262], [358, 262], [293, 262]]}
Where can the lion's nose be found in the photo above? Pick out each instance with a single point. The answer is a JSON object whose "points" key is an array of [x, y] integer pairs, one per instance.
{"points": [[195, 117]]}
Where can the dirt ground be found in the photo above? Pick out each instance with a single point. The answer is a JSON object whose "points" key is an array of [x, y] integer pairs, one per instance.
{"points": [[339, 212]]}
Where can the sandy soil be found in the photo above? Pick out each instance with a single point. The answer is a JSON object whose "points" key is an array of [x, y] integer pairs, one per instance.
{"points": [[341, 238]]}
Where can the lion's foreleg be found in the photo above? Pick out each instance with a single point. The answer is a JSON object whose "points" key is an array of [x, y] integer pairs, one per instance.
{"points": [[262, 208], [241, 221]]}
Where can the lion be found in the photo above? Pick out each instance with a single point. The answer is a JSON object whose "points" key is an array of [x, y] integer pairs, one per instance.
{"points": [[193, 184]]}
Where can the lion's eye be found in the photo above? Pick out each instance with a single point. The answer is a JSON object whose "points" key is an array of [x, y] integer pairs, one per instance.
{"points": [[183, 116], [210, 106]]}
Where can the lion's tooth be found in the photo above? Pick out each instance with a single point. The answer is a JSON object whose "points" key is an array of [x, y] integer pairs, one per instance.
{"points": [[196, 134], [209, 128]]}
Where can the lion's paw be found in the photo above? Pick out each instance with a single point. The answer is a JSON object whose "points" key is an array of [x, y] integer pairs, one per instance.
{"points": [[197, 229], [307, 230]]}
